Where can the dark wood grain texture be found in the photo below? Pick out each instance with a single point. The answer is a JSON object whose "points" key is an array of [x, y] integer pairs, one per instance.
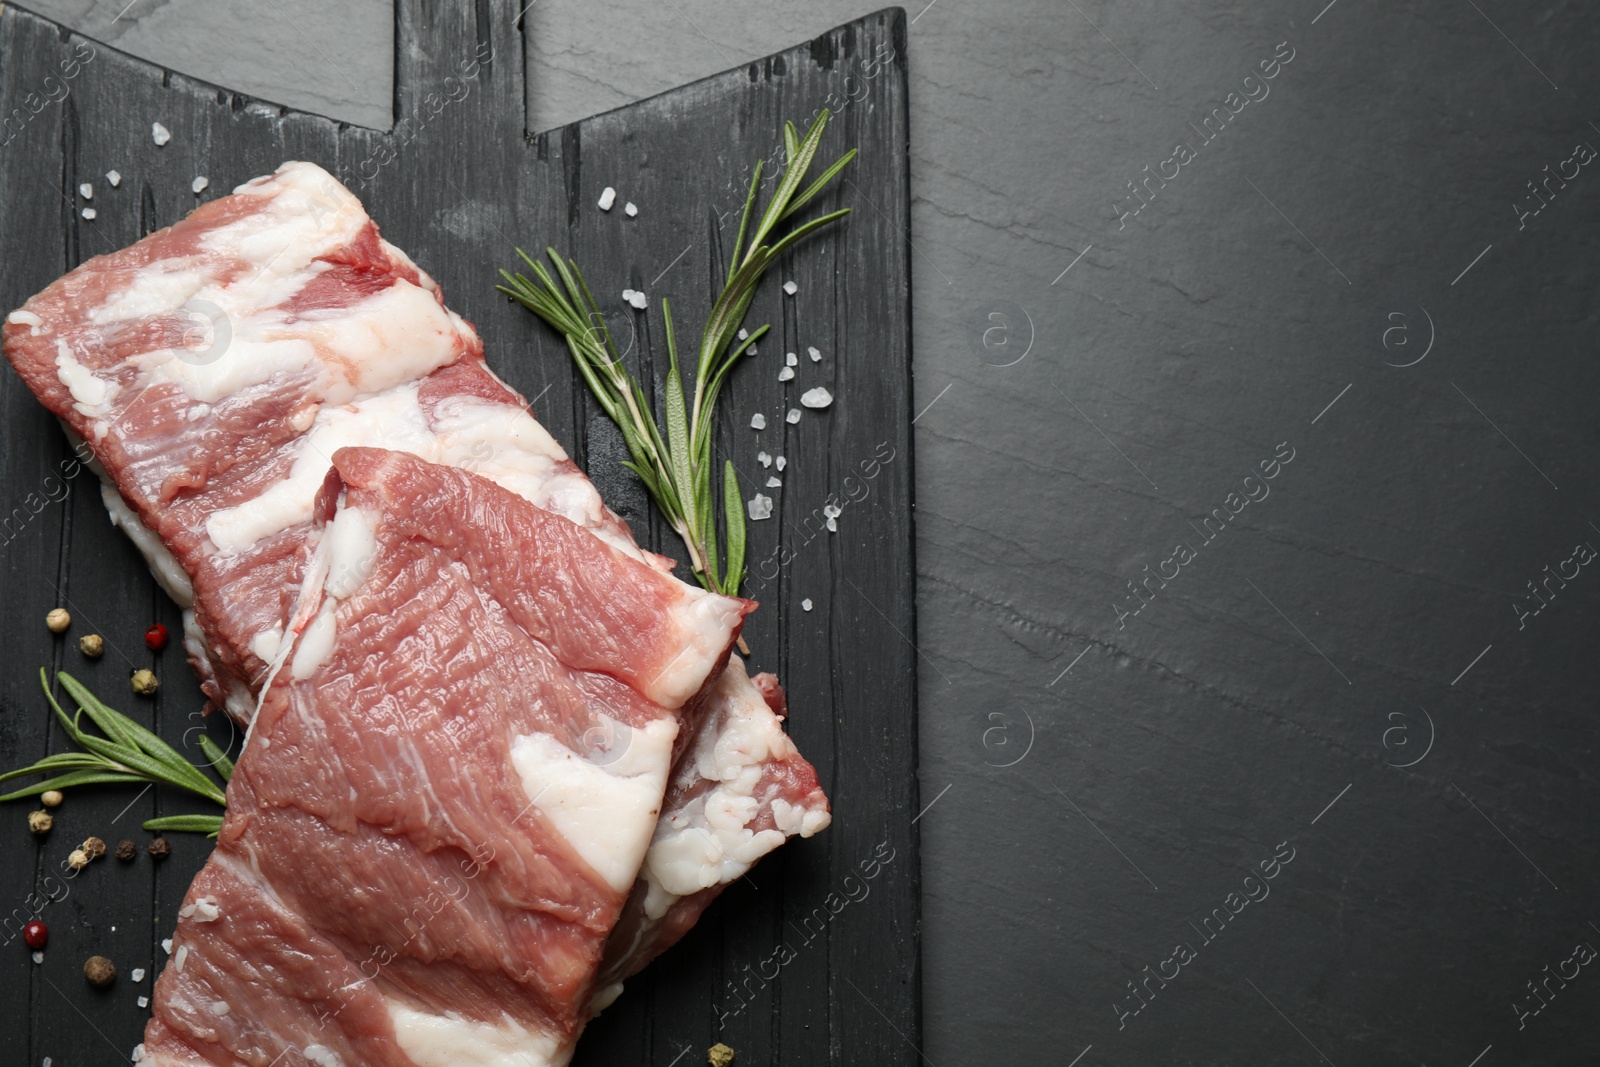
{"points": [[808, 960]]}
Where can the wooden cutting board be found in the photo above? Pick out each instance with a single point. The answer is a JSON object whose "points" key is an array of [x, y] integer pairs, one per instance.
{"points": [[814, 957]]}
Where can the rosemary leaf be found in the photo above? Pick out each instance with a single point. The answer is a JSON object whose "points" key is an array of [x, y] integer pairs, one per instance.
{"points": [[733, 513], [210, 825], [816, 187], [744, 221], [66, 781], [217, 758], [61, 761]]}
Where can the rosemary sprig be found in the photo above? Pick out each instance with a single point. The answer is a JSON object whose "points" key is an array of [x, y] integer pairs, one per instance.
{"points": [[126, 753], [676, 467]]}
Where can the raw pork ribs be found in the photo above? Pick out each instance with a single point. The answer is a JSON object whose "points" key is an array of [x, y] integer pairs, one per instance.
{"points": [[498, 756]]}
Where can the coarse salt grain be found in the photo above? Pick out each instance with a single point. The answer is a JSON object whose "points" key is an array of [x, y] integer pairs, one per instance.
{"points": [[114, 177], [220, 1007], [183, 954], [816, 357], [833, 511], [760, 507], [833, 526], [204, 910], [89, 213], [637, 299], [774, 482], [137, 975], [791, 360], [608, 196], [782, 463], [86, 191], [816, 398], [166, 946], [764, 459], [758, 421], [631, 210], [743, 334], [144, 1002], [159, 133], [199, 184], [805, 605], [38, 957], [791, 288], [785, 374], [793, 416]]}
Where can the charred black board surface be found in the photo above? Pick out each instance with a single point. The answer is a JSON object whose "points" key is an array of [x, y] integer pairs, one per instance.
{"points": [[814, 957]]}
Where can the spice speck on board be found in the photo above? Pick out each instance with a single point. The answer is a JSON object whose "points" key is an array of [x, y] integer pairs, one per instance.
{"points": [[92, 645], [100, 971], [36, 935], [52, 798], [78, 860], [58, 620], [94, 847], [144, 682], [155, 638], [719, 1055], [40, 821]]}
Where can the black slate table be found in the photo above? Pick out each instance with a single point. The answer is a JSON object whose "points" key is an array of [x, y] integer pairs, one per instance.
{"points": [[1345, 668]]}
